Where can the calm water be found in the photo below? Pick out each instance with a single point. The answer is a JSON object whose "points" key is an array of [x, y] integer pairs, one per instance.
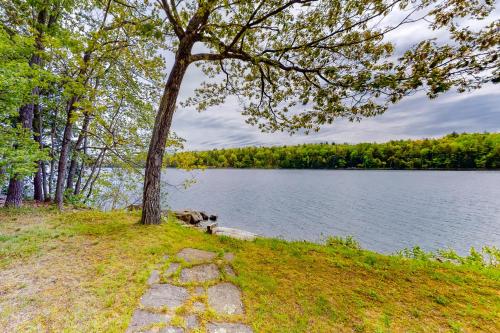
{"points": [[384, 210]]}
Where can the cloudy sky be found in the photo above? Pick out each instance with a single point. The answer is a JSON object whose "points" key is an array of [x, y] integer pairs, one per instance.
{"points": [[414, 117]]}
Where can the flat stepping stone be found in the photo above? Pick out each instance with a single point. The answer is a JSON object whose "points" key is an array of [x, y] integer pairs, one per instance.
{"points": [[200, 273], [199, 307], [192, 322], [154, 278], [171, 330], [160, 295], [142, 318], [228, 328], [225, 298], [195, 255], [228, 256], [172, 269]]}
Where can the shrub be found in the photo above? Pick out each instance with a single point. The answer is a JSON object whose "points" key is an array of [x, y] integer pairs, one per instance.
{"points": [[348, 241]]}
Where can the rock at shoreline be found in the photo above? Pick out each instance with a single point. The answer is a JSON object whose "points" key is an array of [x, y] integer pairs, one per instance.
{"points": [[234, 233], [189, 216], [211, 227], [204, 215], [192, 217]]}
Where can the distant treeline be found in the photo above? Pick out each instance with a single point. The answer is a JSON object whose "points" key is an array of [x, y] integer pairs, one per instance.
{"points": [[454, 151]]}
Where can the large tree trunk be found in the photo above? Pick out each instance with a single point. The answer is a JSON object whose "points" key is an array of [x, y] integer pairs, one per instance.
{"points": [[14, 193], [38, 184], [151, 212], [16, 182]]}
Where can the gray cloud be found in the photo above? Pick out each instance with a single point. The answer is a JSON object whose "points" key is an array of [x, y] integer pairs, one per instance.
{"points": [[415, 117]]}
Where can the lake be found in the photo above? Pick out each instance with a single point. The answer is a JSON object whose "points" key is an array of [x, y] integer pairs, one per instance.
{"points": [[385, 211]]}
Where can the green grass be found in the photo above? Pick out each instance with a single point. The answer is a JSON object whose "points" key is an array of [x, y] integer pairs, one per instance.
{"points": [[84, 271]]}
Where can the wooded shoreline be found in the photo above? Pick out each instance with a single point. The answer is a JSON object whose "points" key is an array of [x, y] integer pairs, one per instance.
{"points": [[473, 151]]}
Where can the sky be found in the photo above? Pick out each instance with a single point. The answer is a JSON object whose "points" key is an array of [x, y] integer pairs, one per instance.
{"points": [[415, 117]]}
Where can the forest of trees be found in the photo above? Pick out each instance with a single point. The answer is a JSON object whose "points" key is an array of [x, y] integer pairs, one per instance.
{"points": [[79, 82], [454, 151]]}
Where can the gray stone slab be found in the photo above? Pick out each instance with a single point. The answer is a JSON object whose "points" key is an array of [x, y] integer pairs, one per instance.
{"points": [[228, 256], [235, 233], [192, 322], [195, 255], [171, 330], [142, 318], [199, 307], [225, 298], [200, 273], [172, 269], [154, 277], [160, 295], [228, 328]]}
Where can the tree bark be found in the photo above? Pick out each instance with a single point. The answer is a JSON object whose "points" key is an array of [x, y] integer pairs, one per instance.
{"points": [[16, 182], [46, 193], [151, 212], [38, 184], [73, 164], [82, 169], [14, 193], [37, 135], [63, 155], [52, 156], [71, 171]]}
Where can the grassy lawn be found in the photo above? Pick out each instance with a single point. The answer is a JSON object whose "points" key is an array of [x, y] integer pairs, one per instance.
{"points": [[84, 271]]}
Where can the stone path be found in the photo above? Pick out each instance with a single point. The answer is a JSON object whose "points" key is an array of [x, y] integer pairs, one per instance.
{"points": [[187, 290]]}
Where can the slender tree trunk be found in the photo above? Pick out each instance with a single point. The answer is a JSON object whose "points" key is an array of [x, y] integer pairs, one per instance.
{"points": [[151, 211], [37, 135], [94, 167], [63, 155], [99, 168], [78, 145], [66, 139], [71, 171], [82, 169], [52, 156], [46, 193]]}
